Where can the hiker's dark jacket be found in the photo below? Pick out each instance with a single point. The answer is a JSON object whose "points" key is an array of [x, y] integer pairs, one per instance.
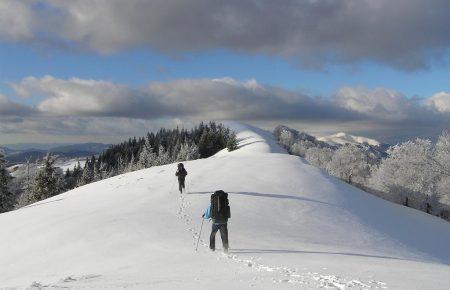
{"points": [[181, 173]]}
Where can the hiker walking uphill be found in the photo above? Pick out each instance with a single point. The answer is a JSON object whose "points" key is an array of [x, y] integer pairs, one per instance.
{"points": [[181, 174], [219, 212]]}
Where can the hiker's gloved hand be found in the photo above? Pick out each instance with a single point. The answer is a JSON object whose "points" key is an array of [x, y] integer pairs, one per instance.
{"points": [[203, 215]]}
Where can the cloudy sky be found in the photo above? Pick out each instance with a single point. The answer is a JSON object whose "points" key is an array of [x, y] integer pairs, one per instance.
{"points": [[103, 70]]}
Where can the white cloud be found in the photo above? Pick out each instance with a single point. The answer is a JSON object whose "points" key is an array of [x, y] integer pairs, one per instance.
{"points": [[440, 102], [78, 97], [378, 103]]}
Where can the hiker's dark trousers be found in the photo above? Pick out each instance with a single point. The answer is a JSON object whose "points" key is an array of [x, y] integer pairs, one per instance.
{"points": [[223, 234], [181, 185]]}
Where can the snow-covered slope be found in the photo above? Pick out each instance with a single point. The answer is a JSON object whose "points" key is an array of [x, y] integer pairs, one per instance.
{"points": [[344, 138], [292, 227], [70, 164]]}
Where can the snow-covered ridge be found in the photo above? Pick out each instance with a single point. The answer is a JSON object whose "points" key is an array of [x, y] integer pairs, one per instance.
{"points": [[342, 138], [252, 140], [292, 227]]}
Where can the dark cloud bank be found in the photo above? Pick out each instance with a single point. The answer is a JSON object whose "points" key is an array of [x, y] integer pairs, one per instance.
{"points": [[407, 34]]}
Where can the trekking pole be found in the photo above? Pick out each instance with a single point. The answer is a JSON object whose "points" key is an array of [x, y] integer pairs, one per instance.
{"points": [[198, 239]]}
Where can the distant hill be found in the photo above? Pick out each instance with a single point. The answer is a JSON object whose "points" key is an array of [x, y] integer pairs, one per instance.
{"points": [[289, 136], [6, 150], [85, 147], [29, 146], [67, 150], [21, 157], [342, 138]]}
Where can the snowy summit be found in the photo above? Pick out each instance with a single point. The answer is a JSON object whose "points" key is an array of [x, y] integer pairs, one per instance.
{"points": [[292, 226], [342, 138]]}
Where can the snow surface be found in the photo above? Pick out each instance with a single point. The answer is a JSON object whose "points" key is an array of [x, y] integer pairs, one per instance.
{"points": [[70, 164], [342, 138], [20, 170], [292, 227]]}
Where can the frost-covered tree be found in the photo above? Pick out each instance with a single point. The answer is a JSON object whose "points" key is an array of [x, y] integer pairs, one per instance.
{"points": [[300, 147], [409, 173], [443, 188], [88, 174], [297, 142], [417, 174], [121, 165], [147, 156], [132, 165], [287, 138], [442, 154], [22, 183], [99, 171], [442, 162], [47, 180], [188, 152], [163, 157], [352, 164], [7, 198], [319, 157]]}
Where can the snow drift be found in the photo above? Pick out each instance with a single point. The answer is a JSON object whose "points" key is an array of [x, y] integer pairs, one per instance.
{"points": [[292, 226]]}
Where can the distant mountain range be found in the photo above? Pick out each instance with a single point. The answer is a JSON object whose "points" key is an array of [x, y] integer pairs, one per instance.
{"points": [[28, 146], [334, 141], [342, 138], [19, 153], [6, 150]]}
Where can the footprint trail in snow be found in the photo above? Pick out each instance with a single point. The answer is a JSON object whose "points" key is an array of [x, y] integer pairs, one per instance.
{"points": [[282, 274]]}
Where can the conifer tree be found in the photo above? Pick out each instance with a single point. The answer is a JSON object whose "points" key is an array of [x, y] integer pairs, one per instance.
{"points": [[187, 152], [69, 180], [121, 165], [88, 174], [7, 199], [46, 183], [205, 145], [232, 143], [163, 156], [147, 158], [132, 164], [76, 174], [98, 171]]}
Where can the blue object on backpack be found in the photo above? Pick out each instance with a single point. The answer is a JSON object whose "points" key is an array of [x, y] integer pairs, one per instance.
{"points": [[207, 214]]}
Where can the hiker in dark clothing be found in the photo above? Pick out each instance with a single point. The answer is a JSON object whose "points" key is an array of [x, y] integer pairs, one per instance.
{"points": [[181, 174], [219, 212]]}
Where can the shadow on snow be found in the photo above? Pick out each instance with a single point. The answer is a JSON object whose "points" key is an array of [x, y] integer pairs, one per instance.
{"points": [[268, 195]]}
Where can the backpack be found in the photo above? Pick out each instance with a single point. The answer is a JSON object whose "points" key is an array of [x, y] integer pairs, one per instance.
{"points": [[220, 208]]}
